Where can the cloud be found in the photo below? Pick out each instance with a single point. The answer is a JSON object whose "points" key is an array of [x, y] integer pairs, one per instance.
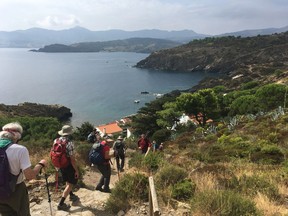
{"points": [[202, 16], [58, 21]]}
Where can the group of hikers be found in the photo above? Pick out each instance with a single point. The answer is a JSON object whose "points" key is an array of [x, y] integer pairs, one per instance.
{"points": [[15, 165]]}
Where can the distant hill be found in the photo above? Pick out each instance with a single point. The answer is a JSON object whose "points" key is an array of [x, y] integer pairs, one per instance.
{"points": [[139, 45], [37, 37], [250, 58], [255, 32]]}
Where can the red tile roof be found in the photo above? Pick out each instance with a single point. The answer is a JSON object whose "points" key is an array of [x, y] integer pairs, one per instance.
{"points": [[110, 128]]}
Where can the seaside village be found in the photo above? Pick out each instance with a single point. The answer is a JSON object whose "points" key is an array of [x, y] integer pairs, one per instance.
{"points": [[119, 126]]}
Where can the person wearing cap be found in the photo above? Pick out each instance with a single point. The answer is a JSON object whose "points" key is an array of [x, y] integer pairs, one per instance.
{"points": [[70, 174], [119, 148], [105, 168], [18, 156]]}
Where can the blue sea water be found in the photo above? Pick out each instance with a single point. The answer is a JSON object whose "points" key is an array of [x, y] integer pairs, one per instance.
{"points": [[97, 87]]}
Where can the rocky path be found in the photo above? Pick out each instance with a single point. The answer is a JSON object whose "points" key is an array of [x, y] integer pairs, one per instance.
{"points": [[91, 201]]}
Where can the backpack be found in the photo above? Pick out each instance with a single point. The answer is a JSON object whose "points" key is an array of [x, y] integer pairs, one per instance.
{"points": [[119, 148], [7, 180], [58, 153], [91, 138], [96, 155]]}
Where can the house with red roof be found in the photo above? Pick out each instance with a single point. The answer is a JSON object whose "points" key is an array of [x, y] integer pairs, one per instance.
{"points": [[110, 128]]}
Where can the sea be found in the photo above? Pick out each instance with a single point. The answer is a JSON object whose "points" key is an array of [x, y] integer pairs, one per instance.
{"points": [[98, 87]]}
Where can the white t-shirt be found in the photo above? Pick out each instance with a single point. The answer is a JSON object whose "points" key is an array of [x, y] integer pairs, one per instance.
{"points": [[18, 157]]}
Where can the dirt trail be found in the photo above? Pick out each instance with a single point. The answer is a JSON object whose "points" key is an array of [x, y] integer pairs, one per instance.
{"points": [[91, 202]]}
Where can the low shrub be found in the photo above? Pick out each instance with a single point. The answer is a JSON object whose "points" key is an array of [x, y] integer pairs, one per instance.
{"points": [[152, 161], [170, 175], [136, 160], [183, 190], [267, 154], [130, 188], [149, 163]]}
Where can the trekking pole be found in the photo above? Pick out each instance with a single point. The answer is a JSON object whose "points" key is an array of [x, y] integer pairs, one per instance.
{"points": [[56, 180], [48, 192]]}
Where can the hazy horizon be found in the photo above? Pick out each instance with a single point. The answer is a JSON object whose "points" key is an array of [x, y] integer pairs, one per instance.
{"points": [[202, 16]]}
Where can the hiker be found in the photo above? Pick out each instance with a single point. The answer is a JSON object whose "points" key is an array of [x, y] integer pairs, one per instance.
{"points": [[119, 148], [18, 157], [105, 168], [144, 144], [161, 146], [70, 174], [155, 146], [91, 138]]}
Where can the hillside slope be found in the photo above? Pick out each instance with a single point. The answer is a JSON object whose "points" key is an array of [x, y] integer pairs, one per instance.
{"points": [[139, 45]]}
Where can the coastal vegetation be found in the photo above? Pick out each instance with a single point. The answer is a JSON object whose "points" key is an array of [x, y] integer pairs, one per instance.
{"points": [[231, 159]]}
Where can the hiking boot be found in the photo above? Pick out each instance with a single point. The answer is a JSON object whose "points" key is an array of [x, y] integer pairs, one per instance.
{"points": [[99, 188], [106, 190], [74, 198], [63, 207]]}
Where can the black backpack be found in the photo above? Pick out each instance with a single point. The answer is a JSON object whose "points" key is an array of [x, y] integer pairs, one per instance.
{"points": [[95, 155], [119, 148], [7, 180], [91, 138]]}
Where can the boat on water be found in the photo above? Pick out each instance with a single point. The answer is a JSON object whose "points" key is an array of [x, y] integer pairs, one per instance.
{"points": [[136, 101], [144, 92]]}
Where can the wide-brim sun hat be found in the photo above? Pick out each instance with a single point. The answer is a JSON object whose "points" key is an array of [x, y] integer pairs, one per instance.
{"points": [[66, 130]]}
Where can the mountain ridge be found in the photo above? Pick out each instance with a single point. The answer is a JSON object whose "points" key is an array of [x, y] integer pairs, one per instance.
{"points": [[39, 37]]}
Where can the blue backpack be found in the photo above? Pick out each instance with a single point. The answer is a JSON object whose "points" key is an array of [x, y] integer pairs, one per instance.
{"points": [[7, 180], [95, 155]]}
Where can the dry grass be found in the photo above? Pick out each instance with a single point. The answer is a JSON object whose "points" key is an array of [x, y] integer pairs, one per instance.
{"points": [[205, 181], [268, 207]]}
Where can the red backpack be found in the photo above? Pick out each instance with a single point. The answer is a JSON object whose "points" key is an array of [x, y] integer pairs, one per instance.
{"points": [[58, 153]]}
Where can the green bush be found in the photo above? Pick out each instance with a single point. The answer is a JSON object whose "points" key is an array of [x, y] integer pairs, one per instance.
{"points": [[183, 190], [130, 188], [136, 160], [267, 154], [152, 161], [249, 85], [170, 175], [224, 203], [82, 132]]}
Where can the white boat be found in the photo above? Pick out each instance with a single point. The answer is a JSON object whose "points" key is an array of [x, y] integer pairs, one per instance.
{"points": [[136, 101]]}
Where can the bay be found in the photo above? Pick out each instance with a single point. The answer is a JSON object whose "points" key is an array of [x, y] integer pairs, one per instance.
{"points": [[97, 87]]}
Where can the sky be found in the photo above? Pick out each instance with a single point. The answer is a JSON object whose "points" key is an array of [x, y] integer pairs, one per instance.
{"points": [[202, 16]]}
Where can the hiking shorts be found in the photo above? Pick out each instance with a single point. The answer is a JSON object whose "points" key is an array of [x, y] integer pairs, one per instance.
{"points": [[68, 174]]}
